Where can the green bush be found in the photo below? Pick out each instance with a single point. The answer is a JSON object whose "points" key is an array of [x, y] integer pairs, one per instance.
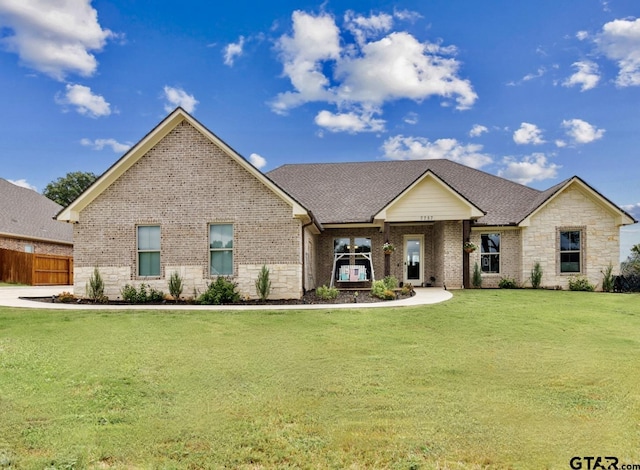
{"points": [[221, 291], [508, 283], [263, 283], [407, 288], [608, 279], [388, 294], [378, 288], [327, 293], [390, 282], [477, 276], [143, 295], [536, 275], [580, 283], [95, 287], [175, 285]]}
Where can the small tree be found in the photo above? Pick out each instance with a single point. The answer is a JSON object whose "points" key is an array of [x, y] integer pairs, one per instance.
{"points": [[477, 276], [263, 283], [631, 266], [536, 275], [95, 287], [175, 285], [608, 279]]}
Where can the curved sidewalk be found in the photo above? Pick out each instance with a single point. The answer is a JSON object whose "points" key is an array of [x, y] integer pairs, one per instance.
{"points": [[11, 297]]}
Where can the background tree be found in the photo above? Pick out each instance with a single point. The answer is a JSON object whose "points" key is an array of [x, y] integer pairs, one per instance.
{"points": [[632, 263], [65, 189]]}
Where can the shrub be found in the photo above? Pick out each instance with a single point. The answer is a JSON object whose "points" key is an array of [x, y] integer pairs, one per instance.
{"points": [[378, 288], [388, 294], [263, 283], [608, 279], [327, 293], [580, 283], [221, 291], [507, 283], [66, 297], [95, 287], [536, 275], [390, 282], [407, 288], [477, 276], [175, 285], [144, 294]]}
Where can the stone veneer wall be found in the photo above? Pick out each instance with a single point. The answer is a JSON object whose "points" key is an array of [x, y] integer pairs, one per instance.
{"points": [[573, 208], [183, 184], [510, 256], [41, 247]]}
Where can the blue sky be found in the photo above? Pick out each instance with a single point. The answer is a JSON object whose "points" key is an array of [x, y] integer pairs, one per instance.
{"points": [[532, 91]]}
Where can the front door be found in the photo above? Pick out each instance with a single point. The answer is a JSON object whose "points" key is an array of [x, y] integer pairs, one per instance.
{"points": [[413, 256]]}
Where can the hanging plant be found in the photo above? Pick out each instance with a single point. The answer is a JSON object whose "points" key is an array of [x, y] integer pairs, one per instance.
{"points": [[388, 248], [470, 247]]}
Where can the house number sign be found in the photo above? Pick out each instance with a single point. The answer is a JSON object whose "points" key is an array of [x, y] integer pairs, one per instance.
{"points": [[426, 218]]}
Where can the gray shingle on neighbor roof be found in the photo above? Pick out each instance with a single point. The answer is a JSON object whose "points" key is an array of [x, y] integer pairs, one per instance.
{"points": [[355, 192], [26, 213]]}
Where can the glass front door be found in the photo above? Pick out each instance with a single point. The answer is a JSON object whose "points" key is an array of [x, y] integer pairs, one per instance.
{"points": [[413, 254]]}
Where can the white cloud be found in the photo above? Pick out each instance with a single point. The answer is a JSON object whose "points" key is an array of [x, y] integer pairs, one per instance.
{"points": [[531, 168], [420, 148], [581, 132], [368, 73], [99, 144], [257, 160], [54, 38], [633, 210], [539, 73], [351, 122], [528, 134], [560, 143], [23, 184], [620, 41], [411, 118], [587, 75], [582, 35], [364, 28], [477, 130], [178, 97], [85, 102], [232, 51]]}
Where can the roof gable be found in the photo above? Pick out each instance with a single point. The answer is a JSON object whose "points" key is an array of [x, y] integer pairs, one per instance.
{"points": [[429, 199], [621, 217], [72, 212]]}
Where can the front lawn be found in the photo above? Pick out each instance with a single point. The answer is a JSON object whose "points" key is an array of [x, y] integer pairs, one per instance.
{"points": [[489, 379]]}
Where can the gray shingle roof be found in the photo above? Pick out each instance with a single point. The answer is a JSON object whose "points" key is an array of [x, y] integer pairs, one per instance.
{"points": [[355, 192], [26, 213]]}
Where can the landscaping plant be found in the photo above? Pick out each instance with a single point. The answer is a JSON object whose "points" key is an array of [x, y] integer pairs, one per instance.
{"points": [[221, 291], [477, 276], [327, 293], [175, 285], [263, 283], [536, 275], [95, 287]]}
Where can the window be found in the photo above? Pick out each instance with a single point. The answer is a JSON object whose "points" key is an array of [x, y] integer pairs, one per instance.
{"points": [[149, 250], [28, 248], [362, 245], [341, 245], [570, 251], [221, 249], [490, 252]]}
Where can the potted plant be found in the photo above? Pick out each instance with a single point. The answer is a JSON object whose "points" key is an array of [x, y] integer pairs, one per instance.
{"points": [[470, 247], [388, 248]]}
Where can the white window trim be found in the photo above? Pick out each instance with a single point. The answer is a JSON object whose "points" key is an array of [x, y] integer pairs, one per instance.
{"points": [[499, 254], [583, 244], [232, 249], [138, 251]]}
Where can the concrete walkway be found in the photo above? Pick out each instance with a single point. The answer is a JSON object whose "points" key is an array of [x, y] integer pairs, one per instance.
{"points": [[11, 297]]}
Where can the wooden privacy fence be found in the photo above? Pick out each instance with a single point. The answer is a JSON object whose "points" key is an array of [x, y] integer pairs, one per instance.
{"points": [[35, 269]]}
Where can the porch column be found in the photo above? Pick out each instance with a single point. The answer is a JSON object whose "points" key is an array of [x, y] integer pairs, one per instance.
{"points": [[466, 233], [387, 258]]}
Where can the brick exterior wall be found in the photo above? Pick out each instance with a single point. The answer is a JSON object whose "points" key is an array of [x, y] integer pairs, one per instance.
{"points": [[510, 256], [41, 247], [183, 184], [572, 208]]}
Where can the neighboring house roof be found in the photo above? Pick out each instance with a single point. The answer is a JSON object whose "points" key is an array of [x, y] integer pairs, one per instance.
{"points": [[351, 193], [27, 214], [72, 212]]}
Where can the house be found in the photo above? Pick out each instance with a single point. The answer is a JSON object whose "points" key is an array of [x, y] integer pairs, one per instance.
{"points": [[181, 200], [27, 222]]}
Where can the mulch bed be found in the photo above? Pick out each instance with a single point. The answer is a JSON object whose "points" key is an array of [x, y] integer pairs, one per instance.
{"points": [[344, 297]]}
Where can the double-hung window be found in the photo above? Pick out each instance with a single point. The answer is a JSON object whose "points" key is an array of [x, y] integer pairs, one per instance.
{"points": [[149, 250], [221, 249], [490, 252], [570, 251]]}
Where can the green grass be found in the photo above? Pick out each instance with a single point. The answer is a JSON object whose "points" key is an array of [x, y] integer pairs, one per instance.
{"points": [[489, 379]]}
